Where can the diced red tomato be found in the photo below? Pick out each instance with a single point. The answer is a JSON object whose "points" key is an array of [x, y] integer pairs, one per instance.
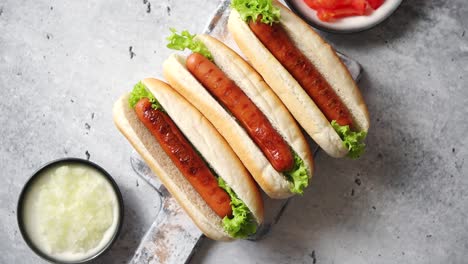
{"points": [[328, 4], [329, 15], [360, 6], [312, 4], [328, 10], [375, 3]]}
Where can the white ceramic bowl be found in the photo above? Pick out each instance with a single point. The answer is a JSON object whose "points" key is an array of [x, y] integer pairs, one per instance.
{"points": [[347, 24], [22, 206]]}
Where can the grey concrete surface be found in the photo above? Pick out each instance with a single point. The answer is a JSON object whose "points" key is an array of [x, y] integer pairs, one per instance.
{"points": [[63, 63]]}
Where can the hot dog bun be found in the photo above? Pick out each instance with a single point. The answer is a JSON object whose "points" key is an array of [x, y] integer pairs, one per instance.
{"points": [[271, 181], [324, 58], [204, 137]]}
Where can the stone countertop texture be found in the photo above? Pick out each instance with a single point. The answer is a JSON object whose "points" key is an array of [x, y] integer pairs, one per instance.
{"points": [[64, 63]]}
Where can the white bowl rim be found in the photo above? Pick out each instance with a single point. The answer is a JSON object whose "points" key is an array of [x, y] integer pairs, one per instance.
{"points": [[347, 24]]}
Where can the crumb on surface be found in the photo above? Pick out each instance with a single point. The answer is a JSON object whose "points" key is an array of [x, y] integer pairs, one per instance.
{"points": [[130, 51], [358, 181], [148, 7]]}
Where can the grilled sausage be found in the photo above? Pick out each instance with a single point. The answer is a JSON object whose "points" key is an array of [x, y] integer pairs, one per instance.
{"points": [[186, 159], [273, 146], [277, 41]]}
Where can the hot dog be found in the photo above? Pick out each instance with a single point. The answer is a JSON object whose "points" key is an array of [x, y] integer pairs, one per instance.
{"points": [[304, 72], [183, 149], [245, 111]]}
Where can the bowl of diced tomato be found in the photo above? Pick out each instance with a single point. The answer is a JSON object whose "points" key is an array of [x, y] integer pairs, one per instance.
{"points": [[343, 16]]}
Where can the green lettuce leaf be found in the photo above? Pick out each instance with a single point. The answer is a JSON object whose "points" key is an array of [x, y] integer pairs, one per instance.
{"points": [[140, 91], [351, 140], [298, 177], [185, 40], [242, 223], [251, 9]]}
